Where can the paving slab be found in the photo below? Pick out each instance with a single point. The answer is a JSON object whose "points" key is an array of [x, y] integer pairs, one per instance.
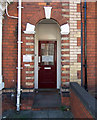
{"points": [[47, 100], [47, 114]]}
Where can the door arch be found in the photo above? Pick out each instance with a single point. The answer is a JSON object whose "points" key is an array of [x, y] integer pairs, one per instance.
{"points": [[48, 30]]}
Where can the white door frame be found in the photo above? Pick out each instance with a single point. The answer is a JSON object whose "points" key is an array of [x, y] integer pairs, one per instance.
{"points": [[58, 39]]}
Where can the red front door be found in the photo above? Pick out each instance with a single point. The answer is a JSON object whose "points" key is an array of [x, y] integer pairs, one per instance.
{"points": [[47, 64]]}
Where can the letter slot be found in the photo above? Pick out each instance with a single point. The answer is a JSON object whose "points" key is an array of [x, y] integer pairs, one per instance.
{"points": [[47, 68]]}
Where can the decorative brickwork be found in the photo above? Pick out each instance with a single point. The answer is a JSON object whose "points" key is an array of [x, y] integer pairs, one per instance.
{"points": [[65, 49], [75, 34], [65, 59], [28, 67]]}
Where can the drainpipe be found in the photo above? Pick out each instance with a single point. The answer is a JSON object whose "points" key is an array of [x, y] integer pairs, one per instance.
{"points": [[1, 51], [85, 38], [81, 44], [19, 53], [8, 14], [19, 57]]}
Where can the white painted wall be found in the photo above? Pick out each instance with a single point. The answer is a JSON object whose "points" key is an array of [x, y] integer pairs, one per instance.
{"points": [[48, 32]]}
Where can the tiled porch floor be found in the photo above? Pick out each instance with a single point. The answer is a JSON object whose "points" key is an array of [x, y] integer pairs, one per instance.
{"points": [[42, 104]]}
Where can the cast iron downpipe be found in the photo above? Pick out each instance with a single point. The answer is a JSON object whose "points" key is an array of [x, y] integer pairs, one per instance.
{"points": [[81, 44], [85, 38]]}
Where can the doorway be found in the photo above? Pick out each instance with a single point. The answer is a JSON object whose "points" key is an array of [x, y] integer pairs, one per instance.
{"points": [[47, 64]]}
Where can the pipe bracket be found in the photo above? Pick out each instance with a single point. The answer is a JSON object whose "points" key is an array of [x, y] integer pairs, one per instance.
{"points": [[20, 7], [19, 41], [19, 67]]}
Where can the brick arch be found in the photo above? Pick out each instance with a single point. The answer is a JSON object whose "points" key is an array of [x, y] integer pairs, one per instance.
{"points": [[33, 13], [40, 16], [55, 15], [58, 18]]}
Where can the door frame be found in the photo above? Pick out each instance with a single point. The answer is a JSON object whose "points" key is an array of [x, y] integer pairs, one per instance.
{"points": [[55, 59], [58, 64], [57, 38]]}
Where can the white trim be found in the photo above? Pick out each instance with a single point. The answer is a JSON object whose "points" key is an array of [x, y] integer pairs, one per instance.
{"points": [[65, 29], [58, 60], [29, 32], [58, 64], [29, 29], [36, 64]]}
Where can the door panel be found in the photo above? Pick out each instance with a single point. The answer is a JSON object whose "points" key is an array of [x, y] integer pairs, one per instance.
{"points": [[47, 64]]}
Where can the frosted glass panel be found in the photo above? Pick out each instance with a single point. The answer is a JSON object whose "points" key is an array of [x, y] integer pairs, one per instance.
{"points": [[47, 53]]}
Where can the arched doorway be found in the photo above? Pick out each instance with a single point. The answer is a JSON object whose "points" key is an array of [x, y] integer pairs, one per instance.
{"points": [[47, 54]]}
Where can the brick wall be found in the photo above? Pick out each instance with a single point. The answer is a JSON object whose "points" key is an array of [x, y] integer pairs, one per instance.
{"points": [[91, 48], [10, 48], [8, 102], [66, 12], [96, 42], [65, 99], [81, 106], [91, 45], [31, 13], [77, 107]]}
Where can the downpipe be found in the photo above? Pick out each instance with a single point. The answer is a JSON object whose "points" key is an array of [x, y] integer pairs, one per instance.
{"points": [[19, 53], [1, 51], [8, 14], [85, 37], [81, 45], [19, 57]]}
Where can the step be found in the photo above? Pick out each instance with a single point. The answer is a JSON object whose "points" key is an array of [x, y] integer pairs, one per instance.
{"points": [[43, 114]]}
